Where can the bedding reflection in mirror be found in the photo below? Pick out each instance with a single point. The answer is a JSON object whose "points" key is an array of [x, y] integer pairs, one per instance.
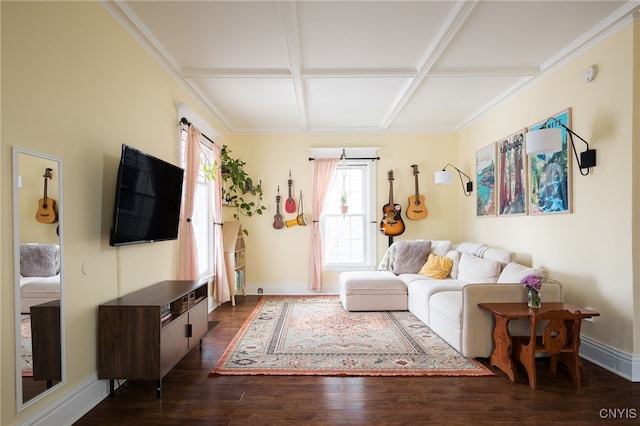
{"points": [[38, 247]]}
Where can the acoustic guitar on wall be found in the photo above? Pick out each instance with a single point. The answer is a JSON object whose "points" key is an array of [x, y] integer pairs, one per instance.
{"points": [[391, 224], [46, 206], [277, 219], [417, 209]]}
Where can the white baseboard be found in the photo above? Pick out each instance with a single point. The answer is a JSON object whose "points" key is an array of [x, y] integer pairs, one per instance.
{"points": [[90, 392], [71, 406], [289, 289], [621, 363]]}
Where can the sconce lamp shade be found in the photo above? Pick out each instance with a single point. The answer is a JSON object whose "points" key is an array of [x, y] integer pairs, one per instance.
{"points": [[543, 141], [547, 140], [443, 177], [446, 177]]}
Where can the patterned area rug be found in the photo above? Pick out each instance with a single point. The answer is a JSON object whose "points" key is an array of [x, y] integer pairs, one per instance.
{"points": [[25, 343], [315, 335]]}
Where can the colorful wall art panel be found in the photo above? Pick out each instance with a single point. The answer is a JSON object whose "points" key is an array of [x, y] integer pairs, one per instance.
{"points": [[485, 176], [512, 183], [549, 185]]}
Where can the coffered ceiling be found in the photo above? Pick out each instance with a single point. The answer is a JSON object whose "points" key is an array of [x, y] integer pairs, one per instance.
{"points": [[362, 66]]}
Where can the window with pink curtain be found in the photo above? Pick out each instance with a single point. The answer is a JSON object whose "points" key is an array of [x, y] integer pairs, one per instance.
{"points": [[205, 217], [323, 170], [221, 282], [187, 248]]}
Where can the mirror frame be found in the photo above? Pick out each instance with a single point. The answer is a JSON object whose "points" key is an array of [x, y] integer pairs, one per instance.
{"points": [[21, 405]]}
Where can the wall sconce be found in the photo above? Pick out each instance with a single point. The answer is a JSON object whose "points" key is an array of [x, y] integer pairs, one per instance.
{"points": [[446, 177], [549, 139]]}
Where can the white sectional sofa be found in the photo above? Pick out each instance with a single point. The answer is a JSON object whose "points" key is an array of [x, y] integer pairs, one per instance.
{"points": [[449, 306]]}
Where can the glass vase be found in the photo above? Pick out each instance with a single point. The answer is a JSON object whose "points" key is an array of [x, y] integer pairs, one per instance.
{"points": [[534, 299]]}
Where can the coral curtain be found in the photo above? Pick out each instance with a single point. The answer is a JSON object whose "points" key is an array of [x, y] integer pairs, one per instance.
{"points": [[187, 248], [221, 283], [323, 171]]}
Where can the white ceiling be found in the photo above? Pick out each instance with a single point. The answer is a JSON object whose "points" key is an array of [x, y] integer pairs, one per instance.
{"points": [[362, 66]]}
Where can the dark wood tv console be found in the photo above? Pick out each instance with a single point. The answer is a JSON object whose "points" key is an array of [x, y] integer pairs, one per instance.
{"points": [[143, 335]]}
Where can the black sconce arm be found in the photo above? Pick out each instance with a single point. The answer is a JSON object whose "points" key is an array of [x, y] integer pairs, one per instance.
{"points": [[468, 188], [587, 158]]}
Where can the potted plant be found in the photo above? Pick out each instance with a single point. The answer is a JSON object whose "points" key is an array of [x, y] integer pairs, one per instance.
{"points": [[344, 207], [238, 188]]}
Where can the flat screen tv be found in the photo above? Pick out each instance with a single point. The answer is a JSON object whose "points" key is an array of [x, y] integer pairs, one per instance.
{"points": [[148, 198]]}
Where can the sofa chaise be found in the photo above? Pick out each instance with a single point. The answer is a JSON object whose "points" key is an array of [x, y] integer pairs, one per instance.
{"points": [[411, 276]]}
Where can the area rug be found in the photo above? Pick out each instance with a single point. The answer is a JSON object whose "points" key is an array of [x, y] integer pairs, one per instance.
{"points": [[315, 335], [25, 345]]}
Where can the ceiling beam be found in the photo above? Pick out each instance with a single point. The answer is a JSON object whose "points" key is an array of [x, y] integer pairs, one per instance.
{"points": [[450, 27], [288, 14]]}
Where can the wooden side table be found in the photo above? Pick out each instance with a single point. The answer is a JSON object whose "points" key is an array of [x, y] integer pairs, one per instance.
{"points": [[505, 312]]}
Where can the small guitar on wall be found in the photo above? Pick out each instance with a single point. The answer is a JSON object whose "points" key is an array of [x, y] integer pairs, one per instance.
{"points": [[417, 209], [391, 224], [46, 206], [290, 203], [277, 219]]}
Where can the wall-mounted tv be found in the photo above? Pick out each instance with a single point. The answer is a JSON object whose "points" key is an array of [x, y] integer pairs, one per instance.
{"points": [[148, 199]]}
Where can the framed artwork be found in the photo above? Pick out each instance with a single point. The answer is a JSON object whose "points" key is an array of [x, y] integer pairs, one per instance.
{"points": [[512, 175], [549, 174], [485, 176]]}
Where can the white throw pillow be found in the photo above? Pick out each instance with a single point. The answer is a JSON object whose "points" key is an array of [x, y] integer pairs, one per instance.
{"points": [[474, 269], [499, 255], [440, 247], [455, 255], [514, 272]]}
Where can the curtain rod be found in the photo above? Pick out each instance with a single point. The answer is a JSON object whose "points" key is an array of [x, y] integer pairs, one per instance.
{"points": [[343, 156], [186, 122], [353, 158]]}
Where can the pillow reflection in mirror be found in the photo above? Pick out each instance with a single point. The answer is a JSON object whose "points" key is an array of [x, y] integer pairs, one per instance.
{"points": [[39, 260]]}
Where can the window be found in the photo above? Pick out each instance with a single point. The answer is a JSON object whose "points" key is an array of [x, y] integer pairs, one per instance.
{"points": [[349, 239], [202, 218]]}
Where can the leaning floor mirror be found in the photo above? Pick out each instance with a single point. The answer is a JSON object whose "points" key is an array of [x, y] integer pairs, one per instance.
{"points": [[38, 254]]}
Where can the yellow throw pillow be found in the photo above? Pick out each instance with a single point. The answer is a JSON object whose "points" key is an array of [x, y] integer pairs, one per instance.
{"points": [[437, 267]]}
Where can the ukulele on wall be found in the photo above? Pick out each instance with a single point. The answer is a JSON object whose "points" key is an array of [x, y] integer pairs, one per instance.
{"points": [[417, 209], [46, 206], [290, 203], [391, 224], [277, 219]]}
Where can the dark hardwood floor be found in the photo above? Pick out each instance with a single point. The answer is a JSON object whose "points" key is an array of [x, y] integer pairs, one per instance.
{"points": [[191, 397]]}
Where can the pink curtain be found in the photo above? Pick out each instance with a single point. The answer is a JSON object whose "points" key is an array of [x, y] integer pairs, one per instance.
{"points": [[187, 249], [221, 284], [323, 169]]}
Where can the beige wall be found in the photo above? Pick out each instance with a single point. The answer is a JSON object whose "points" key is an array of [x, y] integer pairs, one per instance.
{"points": [[281, 256], [4, 336], [635, 159], [76, 85], [590, 250]]}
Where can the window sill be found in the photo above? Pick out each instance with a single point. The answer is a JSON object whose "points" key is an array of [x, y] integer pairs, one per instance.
{"points": [[344, 268]]}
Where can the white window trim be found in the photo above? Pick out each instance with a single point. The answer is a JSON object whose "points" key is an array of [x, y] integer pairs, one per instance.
{"points": [[370, 262]]}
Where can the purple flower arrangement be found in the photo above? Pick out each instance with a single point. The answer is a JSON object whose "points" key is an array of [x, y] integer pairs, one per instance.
{"points": [[532, 282]]}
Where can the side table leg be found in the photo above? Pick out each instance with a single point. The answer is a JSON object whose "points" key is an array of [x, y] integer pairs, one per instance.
{"points": [[501, 356]]}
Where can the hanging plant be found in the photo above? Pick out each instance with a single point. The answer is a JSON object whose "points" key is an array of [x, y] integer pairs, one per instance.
{"points": [[344, 207], [238, 188]]}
